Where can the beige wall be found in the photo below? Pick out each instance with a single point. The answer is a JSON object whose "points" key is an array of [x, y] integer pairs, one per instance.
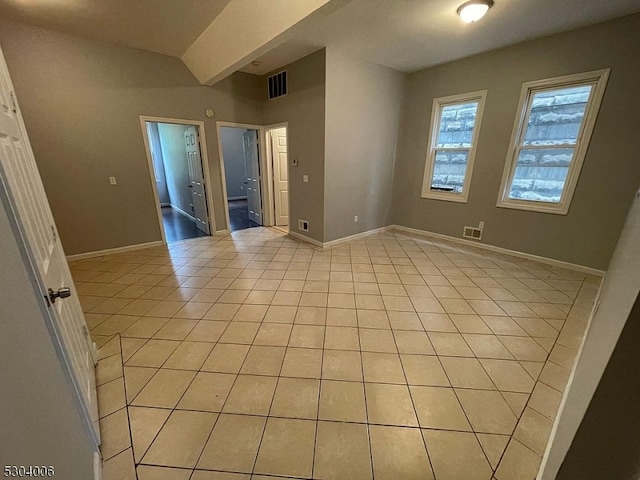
{"points": [[82, 116], [81, 101], [39, 420], [304, 109], [611, 172], [363, 106]]}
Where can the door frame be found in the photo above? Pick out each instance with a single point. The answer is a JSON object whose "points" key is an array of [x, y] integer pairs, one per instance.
{"points": [[204, 158], [267, 209], [270, 173]]}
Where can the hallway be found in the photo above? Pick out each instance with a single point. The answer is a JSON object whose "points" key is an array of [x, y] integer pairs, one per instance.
{"points": [[239, 215], [178, 227], [390, 357]]}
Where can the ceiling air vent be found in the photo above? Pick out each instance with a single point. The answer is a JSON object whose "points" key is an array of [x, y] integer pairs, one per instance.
{"points": [[277, 85]]}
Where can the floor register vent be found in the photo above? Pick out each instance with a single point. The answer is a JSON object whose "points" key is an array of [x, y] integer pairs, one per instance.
{"points": [[474, 233]]}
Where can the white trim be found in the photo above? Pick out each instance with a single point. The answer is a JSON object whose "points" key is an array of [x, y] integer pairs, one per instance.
{"points": [[505, 251], [113, 251], [182, 212], [304, 238], [357, 236], [222, 232], [166, 205], [223, 178], [338, 241], [230, 199], [204, 157], [471, 243], [599, 80], [436, 110]]}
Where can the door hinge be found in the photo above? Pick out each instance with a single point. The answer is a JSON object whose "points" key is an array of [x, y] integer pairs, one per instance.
{"points": [[14, 102]]}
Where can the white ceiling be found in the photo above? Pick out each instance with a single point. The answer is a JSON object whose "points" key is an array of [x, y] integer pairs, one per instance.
{"points": [[409, 35], [162, 26]]}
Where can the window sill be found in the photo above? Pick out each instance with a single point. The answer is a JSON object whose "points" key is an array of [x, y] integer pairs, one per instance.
{"points": [[447, 197], [539, 207]]}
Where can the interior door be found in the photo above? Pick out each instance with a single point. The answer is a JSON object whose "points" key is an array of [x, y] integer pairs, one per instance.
{"points": [[280, 175], [252, 167], [21, 178], [196, 179]]}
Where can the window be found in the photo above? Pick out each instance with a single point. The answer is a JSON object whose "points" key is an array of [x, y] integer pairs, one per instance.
{"points": [[550, 140], [455, 123]]}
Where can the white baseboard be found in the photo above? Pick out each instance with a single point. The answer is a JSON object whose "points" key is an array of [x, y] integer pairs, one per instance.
{"points": [[222, 232], [505, 251], [113, 251], [338, 241], [351, 238], [165, 204], [304, 238], [179, 210], [229, 199]]}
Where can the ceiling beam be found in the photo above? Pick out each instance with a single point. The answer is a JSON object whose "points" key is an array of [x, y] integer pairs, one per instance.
{"points": [[245, 30]]}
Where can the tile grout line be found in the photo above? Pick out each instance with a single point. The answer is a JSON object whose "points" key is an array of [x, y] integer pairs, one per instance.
{"points": [[393, 259]]}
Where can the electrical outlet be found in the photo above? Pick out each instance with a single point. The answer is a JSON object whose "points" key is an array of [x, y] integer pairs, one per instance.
{"points": [[112, 181], [356, 219], [303, 225]]}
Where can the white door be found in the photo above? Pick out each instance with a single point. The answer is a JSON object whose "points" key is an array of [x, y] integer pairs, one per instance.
{"points": [[252, 167], [22, 181], [196, 179], [280, 175]]}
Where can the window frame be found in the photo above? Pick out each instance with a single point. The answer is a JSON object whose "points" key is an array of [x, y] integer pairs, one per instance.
{"points": [[436, 117], [598, 79]]}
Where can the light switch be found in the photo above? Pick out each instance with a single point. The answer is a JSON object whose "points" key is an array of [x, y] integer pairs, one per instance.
{"points": [[112, 181], [305, 178]]}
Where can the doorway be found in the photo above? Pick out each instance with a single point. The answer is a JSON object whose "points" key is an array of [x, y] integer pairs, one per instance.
{"points": [[240, 157], [179, 168], [278, 163]]}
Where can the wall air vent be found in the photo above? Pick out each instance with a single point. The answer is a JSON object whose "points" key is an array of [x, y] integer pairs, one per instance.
{"points": [[473, 233], [277, 85]]}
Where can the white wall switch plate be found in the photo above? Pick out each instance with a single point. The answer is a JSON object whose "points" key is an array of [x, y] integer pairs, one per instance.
{"points": [[305, 178], [112, 181]]}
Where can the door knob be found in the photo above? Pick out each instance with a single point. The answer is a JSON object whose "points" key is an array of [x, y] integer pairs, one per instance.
{"points": [[63, 292]]}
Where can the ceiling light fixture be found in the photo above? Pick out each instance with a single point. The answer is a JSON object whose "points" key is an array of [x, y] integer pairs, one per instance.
{"points": [[474, 10]]}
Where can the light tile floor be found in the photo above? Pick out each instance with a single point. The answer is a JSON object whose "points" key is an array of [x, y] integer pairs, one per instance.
{"points": [[396, 356]]}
